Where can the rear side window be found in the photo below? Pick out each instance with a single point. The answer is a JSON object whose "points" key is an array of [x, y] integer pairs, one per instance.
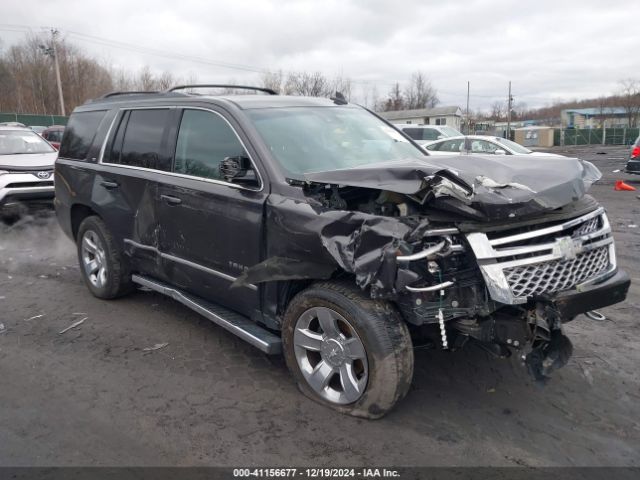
{"points": [[204, 140], [414, 133], [54, 135], [421, 133], [140, 140], [79, 134]]}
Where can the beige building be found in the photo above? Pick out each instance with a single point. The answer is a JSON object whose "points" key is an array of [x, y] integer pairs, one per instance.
{"points": [[450, 116], [534, 136]]}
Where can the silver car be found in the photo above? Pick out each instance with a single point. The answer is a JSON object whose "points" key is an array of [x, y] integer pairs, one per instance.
{"points": [[26, 169], [480, 144]]}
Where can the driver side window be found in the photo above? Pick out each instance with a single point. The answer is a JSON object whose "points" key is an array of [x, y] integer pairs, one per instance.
{"points": [[204, 140]]}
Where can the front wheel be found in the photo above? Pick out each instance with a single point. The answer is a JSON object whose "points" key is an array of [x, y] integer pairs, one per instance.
{"points": [[347, 351]]}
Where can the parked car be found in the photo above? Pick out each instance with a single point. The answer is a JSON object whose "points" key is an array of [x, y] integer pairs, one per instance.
{"points": [[38, 129], [312, 227], [481, 144], [26, 170], [633, 164], [12, 124], [53, 135], [427, 133]]}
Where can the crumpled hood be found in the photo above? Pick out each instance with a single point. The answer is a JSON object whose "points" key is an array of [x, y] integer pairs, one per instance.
{"points": [[486, 187]]}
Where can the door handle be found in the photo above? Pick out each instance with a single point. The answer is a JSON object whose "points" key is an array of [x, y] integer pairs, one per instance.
{"points": [[109, 185], [171, 200]]}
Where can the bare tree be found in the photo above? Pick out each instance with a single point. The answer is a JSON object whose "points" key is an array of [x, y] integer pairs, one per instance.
{"points": [[308, 84], [395, 99], [498, 111], [630, 97], [273, 80], [420, 93]]}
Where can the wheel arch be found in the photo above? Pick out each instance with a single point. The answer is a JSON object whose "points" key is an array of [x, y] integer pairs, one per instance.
{"points": [[79, 212]]}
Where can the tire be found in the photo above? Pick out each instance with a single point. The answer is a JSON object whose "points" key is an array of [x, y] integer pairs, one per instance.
{"points": [[363, 382], [109, 276]]}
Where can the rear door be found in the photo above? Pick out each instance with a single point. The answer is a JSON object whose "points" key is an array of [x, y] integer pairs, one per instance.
{"points": [[125, 189], [211, 229]]}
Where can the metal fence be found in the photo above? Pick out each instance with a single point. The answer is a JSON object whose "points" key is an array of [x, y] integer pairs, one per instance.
{"points": [[595, 136], [31, 120]]}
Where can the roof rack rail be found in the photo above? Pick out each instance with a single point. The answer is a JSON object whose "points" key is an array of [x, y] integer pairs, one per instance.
{"points": [[133, 92], [211, 85]]}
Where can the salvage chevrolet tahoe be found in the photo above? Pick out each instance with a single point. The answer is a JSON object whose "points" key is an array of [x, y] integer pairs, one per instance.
{"points": [[314, 228]]}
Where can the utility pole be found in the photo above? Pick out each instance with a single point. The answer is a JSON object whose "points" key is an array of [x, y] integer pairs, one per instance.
{"points": [[51, 51], [468, 121], [55, 32], [509, 102]]}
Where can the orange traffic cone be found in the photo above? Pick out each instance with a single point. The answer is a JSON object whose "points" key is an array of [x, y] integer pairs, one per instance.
{"points": [[620, 186]]}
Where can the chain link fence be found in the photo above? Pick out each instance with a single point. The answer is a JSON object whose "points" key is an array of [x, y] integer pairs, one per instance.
{"points": [[595, 136]]}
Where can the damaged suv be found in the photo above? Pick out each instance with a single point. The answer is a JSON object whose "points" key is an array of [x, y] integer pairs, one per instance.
{"points": [[314, 228]]}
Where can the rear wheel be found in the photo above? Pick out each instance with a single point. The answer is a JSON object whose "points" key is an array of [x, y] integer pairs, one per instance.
{"points": [[347, 351], [103, 268]]}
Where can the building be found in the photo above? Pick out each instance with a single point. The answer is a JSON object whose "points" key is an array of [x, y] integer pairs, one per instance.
{"points": [[595, 117], [450, 116]]}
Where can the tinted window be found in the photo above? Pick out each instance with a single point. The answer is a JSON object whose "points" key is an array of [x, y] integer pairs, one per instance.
{"points": [[141, 144], [415, 133], [79, 134], [421, 133], [430, 134], [54, 135], [204, 140]]}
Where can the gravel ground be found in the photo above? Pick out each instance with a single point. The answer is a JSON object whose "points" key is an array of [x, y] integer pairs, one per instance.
{"points": [[94, 396]]}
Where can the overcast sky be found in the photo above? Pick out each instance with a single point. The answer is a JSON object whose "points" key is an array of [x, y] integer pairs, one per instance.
{"points": [[549, 49]]}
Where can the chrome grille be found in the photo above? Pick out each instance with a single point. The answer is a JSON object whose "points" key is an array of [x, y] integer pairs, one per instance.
{"points": [[556, 276], [547, 259]]}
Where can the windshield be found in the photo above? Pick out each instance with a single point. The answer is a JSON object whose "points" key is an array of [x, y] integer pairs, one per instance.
{"points": [[314, 139], [14, 142], [516, 147]]}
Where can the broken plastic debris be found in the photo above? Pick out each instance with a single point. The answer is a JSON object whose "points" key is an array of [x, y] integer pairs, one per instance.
{"points": [[2, 328], [34, 317], [73, 325], [157, 346], [615, 171]]}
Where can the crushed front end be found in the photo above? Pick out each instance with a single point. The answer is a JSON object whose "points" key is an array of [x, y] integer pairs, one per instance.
{"points": [[512, 287]]}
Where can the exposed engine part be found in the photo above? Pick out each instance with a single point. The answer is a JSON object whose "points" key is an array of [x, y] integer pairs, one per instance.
{"points": [[432, 288], [443, 330], [550, 348], [426, 253], [549, 356]]}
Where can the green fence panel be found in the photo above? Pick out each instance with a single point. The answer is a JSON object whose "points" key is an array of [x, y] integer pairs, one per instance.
{"points": [[594, 136], [32, 120]]}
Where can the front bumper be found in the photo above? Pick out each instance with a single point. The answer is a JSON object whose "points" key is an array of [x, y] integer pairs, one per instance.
{"points": [[25, 187], [611, 291]]}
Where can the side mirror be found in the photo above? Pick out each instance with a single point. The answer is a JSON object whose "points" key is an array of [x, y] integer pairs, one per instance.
{"points": [[500, 152], [237, 169]]}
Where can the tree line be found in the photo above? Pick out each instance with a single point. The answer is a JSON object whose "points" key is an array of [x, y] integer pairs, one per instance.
{"points": [[28, 81]]}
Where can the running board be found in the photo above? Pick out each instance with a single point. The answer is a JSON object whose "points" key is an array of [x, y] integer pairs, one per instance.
{"points": [[237, 324]]}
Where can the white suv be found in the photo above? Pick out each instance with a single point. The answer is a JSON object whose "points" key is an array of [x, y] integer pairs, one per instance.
{"points": [[427, 133], [26, 169]]}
